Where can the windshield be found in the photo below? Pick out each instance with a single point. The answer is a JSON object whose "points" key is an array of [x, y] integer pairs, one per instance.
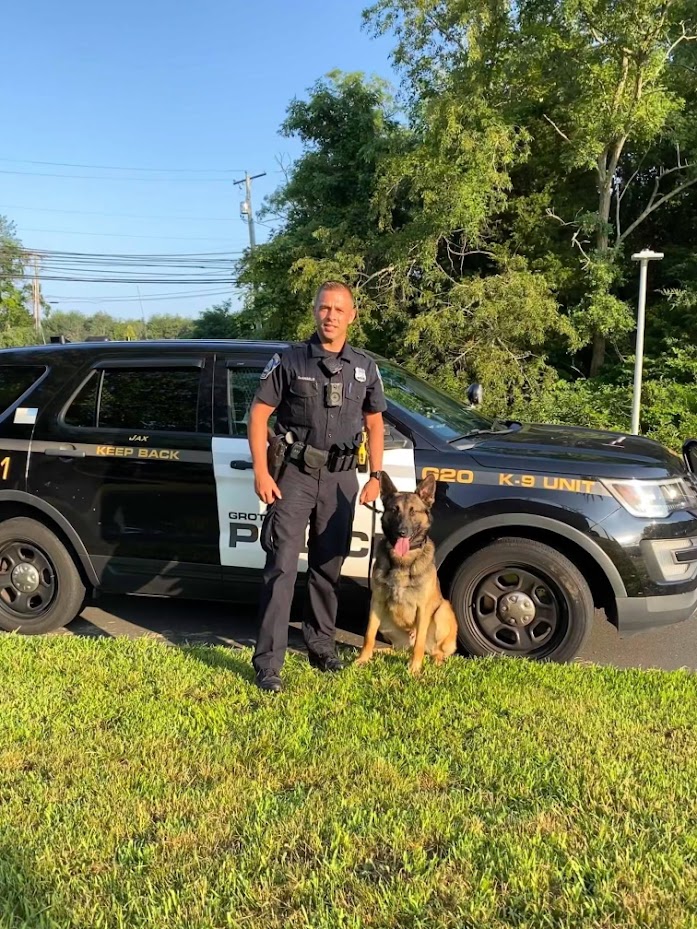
{"points": [[432, 408]]}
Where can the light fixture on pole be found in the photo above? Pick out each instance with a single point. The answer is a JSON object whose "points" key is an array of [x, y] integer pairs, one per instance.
{"points": [[644, 258]]}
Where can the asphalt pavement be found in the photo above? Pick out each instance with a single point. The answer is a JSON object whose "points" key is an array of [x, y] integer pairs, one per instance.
{"points": [[178, 622]]}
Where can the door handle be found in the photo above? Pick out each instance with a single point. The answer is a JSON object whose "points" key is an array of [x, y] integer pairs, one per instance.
{"points": [[239, 465], [64, 451]]}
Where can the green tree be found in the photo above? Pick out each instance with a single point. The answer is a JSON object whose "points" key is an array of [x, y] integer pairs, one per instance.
{"points": [[71, 324], [492, 329], [76, 326], [593, 91], [404, 215], [15, 318], [222, 322], [326, 212], [165, 326]]}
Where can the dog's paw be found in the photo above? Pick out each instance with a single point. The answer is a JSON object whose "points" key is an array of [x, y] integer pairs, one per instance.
{"points": [[361, 660], [415, 669]]}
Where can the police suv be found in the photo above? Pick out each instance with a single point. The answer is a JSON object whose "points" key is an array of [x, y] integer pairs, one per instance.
{"points": [[125, 467]]}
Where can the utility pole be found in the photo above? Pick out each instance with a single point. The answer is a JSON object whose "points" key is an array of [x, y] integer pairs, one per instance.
{"points": [[36, 295], [142, 314], [246, 210]]}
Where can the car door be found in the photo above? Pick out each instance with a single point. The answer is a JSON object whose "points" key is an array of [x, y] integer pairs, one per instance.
{"points": [[127, 460], [241, 513]]}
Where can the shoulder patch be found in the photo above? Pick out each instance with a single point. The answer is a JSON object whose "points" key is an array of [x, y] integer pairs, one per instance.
{"points": [[377, 371], [271, 366]]}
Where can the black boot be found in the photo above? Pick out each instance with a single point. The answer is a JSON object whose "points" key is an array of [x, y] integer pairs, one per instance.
{"points": [[328, 663], [269, 680]]}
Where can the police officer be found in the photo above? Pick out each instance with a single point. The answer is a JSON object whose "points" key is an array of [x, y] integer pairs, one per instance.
{"points": [[324, 392]]}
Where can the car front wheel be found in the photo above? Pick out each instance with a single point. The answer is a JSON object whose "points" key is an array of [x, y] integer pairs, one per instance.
{"points": [[40, 586], [520, 597]]}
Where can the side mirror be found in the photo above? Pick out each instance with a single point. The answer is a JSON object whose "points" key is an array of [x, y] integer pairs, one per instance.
{"points": [[689, 454], [475, 394]]}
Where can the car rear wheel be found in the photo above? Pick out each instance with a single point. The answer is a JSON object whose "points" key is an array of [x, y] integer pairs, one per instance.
{"points": [[519, 597], [40, 586]]}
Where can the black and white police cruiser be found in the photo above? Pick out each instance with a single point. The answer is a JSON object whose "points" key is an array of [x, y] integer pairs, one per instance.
{"points": [[124, 467]]}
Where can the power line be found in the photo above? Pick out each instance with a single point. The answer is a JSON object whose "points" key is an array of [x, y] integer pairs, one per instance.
{"points": [[110, 177], [206, 268], [128, 235], [174, 256], [194, 219], [174, 295], [67, 164], [135, 280]]}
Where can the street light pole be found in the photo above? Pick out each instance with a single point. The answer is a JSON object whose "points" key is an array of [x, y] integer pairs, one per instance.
{"points": [[644, 258]]}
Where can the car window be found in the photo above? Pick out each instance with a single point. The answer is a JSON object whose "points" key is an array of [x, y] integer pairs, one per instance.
{"points": [[147, 399], [242, 385], [16, 380], [432, 408], [83, 410]]}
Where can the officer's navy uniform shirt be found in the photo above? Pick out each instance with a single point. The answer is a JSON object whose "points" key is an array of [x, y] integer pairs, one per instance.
{"points": [[295, 382]]}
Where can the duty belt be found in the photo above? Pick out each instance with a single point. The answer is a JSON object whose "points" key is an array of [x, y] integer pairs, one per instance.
{"points": [[338, 458]]}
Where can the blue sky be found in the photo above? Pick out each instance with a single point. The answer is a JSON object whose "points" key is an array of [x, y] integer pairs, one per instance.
{"points": [[147, 85]]}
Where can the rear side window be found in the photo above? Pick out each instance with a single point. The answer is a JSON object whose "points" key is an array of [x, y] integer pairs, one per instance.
{"points": [[16, 380], [83, 410], [243, 383], [138, 399]]}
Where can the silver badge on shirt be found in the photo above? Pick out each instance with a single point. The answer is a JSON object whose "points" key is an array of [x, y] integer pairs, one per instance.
{"points": [[360, 375]]}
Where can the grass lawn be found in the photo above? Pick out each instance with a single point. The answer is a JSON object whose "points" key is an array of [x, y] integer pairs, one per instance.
{"points": [[149, 786]]}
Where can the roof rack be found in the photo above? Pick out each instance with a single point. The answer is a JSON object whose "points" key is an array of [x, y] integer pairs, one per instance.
{"points": [[58, 340]]}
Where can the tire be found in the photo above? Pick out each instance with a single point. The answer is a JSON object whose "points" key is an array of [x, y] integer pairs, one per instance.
{"points": [[40, 587], [549, 622]]}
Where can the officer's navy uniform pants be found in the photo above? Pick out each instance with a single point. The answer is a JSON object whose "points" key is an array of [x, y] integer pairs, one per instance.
{"points": [[326, 500]]}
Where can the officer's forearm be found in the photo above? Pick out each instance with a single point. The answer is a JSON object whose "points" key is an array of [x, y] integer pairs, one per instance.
{"points": [[257, 432], [376, 440]]}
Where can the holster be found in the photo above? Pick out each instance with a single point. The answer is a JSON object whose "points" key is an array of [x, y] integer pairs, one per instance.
{"points": [[276, 456]]}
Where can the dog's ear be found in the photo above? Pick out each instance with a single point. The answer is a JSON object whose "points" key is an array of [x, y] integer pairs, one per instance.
{"points": [[426, 489], [387, 488]]}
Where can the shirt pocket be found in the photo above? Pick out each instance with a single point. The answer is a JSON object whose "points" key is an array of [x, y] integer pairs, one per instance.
{"points": [[303, 400], [355, 398], [355, 392]]}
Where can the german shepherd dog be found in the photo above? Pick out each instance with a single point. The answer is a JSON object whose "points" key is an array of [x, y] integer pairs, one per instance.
{"points": [[407, 605]]}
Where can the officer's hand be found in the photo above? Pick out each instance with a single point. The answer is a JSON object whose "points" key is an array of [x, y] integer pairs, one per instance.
{"points": [[266, 489], [371, 491]]}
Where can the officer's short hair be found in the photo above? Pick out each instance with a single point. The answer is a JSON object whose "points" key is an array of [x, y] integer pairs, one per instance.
{"points": [[334, 285]]}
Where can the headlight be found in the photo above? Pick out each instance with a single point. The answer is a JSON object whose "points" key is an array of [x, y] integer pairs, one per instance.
{"points": [[653, 499]]}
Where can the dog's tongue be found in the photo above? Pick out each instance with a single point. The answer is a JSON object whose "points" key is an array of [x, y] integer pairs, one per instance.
{"points": [[401, 546]]}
